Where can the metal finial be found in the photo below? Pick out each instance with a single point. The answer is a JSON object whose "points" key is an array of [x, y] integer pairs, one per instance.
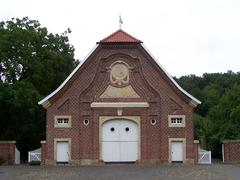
{"points": [[120, 22]]}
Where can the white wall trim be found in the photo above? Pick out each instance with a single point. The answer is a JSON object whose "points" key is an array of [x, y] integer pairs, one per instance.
{"points": [[119, 104], [170, 124], [68, 125], [9, 142], [194, 101]]}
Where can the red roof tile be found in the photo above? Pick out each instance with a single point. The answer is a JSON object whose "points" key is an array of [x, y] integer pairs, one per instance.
{"points": [[120, 36]]}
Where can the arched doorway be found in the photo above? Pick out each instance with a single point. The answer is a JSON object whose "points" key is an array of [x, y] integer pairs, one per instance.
{"points": [[119, 141]]}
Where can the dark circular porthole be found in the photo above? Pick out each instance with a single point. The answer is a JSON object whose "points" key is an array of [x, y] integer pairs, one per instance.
{"points": [[153, 121], [86, 122], [112, 129], [127, 129]]}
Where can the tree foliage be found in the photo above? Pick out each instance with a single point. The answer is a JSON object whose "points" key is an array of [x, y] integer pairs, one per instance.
{"points": [[30, 53], [218, 117], [33, 62]]}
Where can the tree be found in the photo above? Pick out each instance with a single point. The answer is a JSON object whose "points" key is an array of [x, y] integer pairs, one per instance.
{"points": [[33, 62], [28, 52], [218, 117], [225, 119]]}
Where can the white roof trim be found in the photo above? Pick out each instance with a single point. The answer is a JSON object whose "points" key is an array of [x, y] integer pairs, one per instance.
{"points": [[66, 80], [170, 77], [144, 47]]}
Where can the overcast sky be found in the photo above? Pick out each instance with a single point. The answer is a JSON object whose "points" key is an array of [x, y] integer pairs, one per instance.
{"points": [[185, 36]]}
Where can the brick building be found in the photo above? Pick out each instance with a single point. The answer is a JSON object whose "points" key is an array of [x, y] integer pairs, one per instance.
{"points": [[119, 105], [231, 151]]}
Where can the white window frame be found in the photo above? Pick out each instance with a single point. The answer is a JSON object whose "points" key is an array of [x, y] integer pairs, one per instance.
{"points": [[62, 125], [182, 124]]}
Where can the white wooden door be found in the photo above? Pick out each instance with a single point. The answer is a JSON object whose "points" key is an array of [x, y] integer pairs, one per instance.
{"points": [[62, 152], [119, 141], [177, 151]]}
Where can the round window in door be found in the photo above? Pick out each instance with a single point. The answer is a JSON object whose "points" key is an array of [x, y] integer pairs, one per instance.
{"points": [[122, 145]]}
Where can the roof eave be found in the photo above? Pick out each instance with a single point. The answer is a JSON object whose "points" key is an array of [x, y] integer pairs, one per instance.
{"points": [[120, 42]]}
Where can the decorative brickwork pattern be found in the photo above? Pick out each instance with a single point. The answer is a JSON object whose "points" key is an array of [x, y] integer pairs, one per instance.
{"points": [[151, 84], [231, 150], [43, 152], [7, 151]]}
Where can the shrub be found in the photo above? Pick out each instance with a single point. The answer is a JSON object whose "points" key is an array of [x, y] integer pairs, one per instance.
{"points": [[34, 163]]}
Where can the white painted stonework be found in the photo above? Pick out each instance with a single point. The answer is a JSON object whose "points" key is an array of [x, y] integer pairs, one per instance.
{"points": [[119, 141]]}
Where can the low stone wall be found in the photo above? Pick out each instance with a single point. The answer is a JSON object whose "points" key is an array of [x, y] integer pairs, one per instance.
{"points": [[7, 151], [231, 151]]}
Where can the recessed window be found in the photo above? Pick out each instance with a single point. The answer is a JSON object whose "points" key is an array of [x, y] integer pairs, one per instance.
{"points": [[112, 129], [86, 122], [176, 120], [62, 121], [127, 129], [153, 121]]}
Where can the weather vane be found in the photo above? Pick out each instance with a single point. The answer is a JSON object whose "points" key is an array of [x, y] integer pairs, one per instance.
{"points": [[120, 22]]}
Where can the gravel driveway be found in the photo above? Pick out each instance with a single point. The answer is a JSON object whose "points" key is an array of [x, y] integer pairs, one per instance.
{"points": [[121, 172]]}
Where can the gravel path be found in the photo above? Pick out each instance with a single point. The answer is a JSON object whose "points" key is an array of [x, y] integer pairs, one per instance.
{"points": [[121, 172]]}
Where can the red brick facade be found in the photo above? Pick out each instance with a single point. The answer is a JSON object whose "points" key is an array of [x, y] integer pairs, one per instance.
{"points": [[231, 151], [7, 151], [43, 152], [90, 81]]}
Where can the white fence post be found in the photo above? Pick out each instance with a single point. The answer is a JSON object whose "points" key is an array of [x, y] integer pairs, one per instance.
{"points": [[17, 156], [29, 156]]}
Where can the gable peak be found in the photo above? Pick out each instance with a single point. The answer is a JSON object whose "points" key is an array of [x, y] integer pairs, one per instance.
{"points": [[120, 36]]}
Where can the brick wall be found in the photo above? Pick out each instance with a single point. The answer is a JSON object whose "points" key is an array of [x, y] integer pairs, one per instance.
{"points": [[7, 151], [231, 151], [151, 84], [196, 149], [43, 152]]}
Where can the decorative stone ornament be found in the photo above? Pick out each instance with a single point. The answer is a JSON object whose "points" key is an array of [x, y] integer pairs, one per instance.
{"points": [[119, 73]]}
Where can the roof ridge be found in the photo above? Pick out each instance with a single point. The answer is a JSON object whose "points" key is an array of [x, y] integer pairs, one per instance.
{"points": [[120, 36]]}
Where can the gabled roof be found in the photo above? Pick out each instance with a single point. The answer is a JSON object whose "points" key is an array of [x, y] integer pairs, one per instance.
{"points": [[120, 36]]}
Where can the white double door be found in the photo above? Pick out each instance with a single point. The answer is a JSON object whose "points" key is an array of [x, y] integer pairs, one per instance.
{"points": [[119, 141]]}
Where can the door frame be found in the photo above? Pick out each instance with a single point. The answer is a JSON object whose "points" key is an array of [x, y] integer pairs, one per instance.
{"points": [[68, 140], [103, 119], [170, 140]]}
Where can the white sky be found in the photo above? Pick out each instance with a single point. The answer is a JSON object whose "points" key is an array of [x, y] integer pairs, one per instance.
{"points": [[185, 36]]}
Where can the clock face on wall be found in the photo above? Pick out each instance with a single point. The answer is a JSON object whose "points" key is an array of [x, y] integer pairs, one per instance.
{"points": [[119, 73]]}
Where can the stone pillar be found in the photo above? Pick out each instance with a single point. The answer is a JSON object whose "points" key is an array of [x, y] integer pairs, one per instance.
{"points": [[43, 152], [196, 148]]}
